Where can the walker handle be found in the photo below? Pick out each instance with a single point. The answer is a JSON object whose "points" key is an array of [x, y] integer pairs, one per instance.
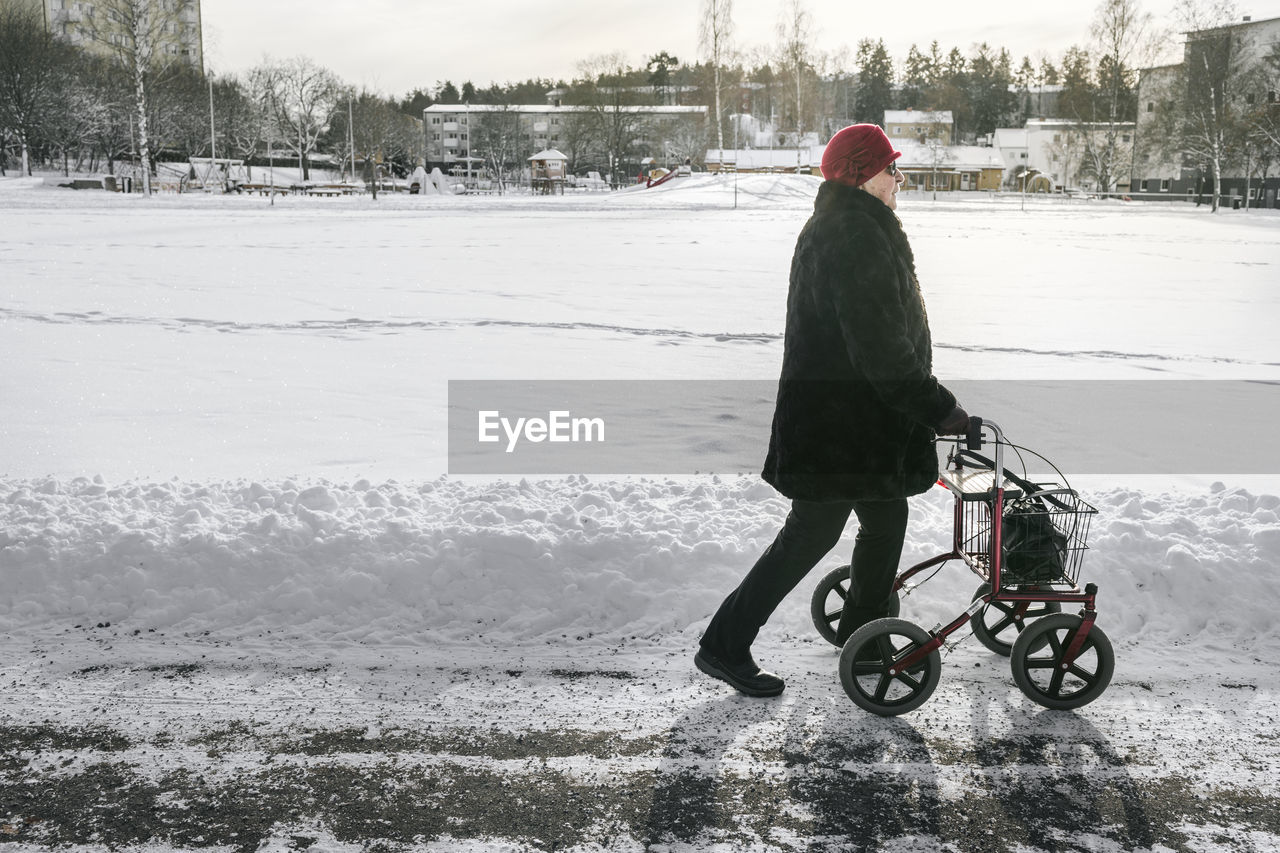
{"points": [[973, 438]]}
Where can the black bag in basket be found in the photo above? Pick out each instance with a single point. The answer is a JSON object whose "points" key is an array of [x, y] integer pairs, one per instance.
{"points": [[1034, 550]]}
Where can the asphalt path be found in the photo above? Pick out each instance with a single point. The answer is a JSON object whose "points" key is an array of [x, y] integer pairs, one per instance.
{"points": [[110, 740]]}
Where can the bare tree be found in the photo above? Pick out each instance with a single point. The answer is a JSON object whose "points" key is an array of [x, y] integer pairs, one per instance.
{"points": [[106, 82], [618, 122], [795, 54], [240, 119], [500, 140], [938, 146], [837, 97], [1124, 40], [260, 91], [304, 97], [581, 141], [1216, 69], [688, 141], [140, 35], [405, 147], [380, 133], [77, 115], [364, 121], [32, 65], [715, 38]]}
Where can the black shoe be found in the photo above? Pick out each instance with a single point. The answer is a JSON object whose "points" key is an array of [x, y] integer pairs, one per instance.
{"points": [[746, 677]]}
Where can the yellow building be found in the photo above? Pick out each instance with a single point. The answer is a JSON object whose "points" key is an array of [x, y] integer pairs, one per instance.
{"points": [[948, 168], [902, 126]]}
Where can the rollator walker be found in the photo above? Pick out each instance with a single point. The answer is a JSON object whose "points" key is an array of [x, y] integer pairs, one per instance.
{"points": [[1029, 567]]}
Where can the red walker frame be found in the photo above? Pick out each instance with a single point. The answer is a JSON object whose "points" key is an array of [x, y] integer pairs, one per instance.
{"points": [[955, 480]]}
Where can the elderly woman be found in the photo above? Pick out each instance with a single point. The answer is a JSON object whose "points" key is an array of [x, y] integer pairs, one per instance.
{"points": [[858, 406]]}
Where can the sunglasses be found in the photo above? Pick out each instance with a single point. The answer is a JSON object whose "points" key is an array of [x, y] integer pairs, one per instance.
{"points": [[892, 169]]}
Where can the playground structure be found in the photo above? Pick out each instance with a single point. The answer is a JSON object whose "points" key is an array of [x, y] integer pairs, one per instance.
{"points": [[547, 170], [211, 174], [659, 175]]}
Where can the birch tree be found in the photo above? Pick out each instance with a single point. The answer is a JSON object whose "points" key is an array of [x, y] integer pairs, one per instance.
{"points": [[1215, 69], [1124, 40], [141, 35], [795, 53], [715, 38]]}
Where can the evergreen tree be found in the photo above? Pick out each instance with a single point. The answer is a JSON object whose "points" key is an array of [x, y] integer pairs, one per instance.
{"points": [[468, 94], [989, 79], [1078, 93], [917, 75], [950, 91], [415, 102], [660, 67], [1117, 92], [447, 93], [875, 81], [1024, 80], [1046, 75]]}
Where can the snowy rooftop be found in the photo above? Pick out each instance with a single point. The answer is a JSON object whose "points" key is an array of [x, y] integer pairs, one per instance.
{"points": [[918, 117], [916, 156], [550, 109], [953, 157], [766, 158], [549, 154], [1011, 137]]}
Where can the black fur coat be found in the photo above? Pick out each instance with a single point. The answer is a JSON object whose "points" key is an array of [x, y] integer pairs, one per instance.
{"points": [[857, 400]]}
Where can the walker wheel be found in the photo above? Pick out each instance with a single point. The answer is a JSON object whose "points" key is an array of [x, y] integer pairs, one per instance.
{"points": [[1037, 662], [871, 652], [828, 601], [1000, 622]]}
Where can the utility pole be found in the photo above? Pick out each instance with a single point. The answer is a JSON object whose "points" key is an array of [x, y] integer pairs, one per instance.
{"points": [[213, 136], [271, 166], [351, 140]]}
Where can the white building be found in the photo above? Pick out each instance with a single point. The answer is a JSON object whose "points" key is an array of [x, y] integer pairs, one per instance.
{"points": [[1156, 170], [806, 159], [1011, 143], [1062, 150], [453, 131]]}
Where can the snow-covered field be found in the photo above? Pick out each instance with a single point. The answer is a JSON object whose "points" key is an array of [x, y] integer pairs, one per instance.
{"points": [[243, 605]]}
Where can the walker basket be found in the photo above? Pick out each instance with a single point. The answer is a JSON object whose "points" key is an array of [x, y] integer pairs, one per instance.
{"points": [[1042, 537]]}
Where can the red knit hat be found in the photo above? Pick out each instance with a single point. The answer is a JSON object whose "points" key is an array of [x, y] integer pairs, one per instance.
{"points": [[857, 154]]}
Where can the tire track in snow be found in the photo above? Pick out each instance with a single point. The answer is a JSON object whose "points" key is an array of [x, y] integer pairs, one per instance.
{"points": [[354, 326]]}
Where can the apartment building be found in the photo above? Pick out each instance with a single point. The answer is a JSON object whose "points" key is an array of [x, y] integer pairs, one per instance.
{"points": [[96, 25], [1161, 171], [454, 133]]}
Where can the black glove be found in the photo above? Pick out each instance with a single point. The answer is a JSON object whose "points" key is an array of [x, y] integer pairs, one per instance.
{"points": [[955, 423]]}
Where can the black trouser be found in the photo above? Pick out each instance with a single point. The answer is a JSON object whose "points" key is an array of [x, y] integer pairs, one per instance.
{"points": [[811, 530]]}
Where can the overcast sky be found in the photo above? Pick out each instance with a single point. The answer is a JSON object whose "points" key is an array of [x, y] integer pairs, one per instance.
{"points": [[393, 46]]}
